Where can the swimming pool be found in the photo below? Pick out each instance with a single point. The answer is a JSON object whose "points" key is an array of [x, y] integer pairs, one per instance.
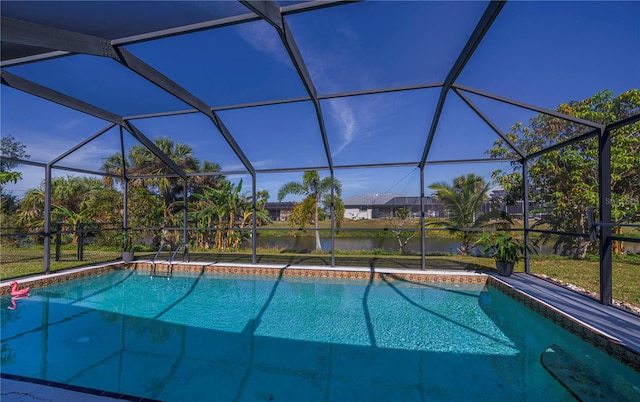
{"points": [[252, 338]]}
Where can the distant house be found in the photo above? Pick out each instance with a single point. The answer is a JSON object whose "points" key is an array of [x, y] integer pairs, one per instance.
{"points": [[279, 211], [363, 206], [375, 206], [496, 202]]}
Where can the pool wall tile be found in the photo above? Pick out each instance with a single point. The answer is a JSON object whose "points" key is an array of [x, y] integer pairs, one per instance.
{"points": [[598, 339], [364, 274], [59, 277]]}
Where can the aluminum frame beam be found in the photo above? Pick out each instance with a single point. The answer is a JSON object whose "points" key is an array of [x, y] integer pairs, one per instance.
{"points": [[534, 108], [47, 219], [54, 96], [562, 144], [292, 100], [490, 123], [604, 194], [270, 12], [49, 94], [34, 58], [151, 146], [525, 213], [30, 34], [623, 122], [86, 171], [80, 145], [381, 90], [490, 14], [123, 160], [155, 77], [24, 161], [185, 29]]}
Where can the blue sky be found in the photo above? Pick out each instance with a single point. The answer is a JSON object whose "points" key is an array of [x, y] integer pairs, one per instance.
{"points": [[542, 53]]}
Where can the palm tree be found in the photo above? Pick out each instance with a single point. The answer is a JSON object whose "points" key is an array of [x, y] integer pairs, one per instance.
{"points": [[313, 188], [142, 162], [463, 200], [30, 209], [74, 200]]}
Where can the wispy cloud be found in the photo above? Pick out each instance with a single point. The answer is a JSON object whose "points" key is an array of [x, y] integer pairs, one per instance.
{"points": [[263, 37], [334, 65], [356, 120], [258, 164], [70, 125], [344, 115], [90, 156]]}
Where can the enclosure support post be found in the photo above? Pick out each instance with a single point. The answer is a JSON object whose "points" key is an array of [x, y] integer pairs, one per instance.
{"points": [[604, 179], [125, 195], [333, 221], [58, 240], [525, 213], [422, 231], [185, 215], [80, 234], [254, 240], [47, 219], [125, 204]]}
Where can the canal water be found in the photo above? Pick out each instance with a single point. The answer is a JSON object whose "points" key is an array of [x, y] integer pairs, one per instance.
{"points": [[433, 245], [307, 243]]}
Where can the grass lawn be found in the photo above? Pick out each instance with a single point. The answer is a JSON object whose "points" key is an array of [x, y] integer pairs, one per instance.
{"points": [[18, 262], [23, 261], [586, 274]]}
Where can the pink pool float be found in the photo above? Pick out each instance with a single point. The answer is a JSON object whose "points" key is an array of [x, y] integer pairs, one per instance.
{"points": [[15, 292]]}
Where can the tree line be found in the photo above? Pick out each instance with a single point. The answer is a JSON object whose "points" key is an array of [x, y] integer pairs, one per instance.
{"points": [[564, 180], [156, 199]]}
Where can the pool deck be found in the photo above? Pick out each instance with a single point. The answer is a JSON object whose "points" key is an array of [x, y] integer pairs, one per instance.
{"points": [[621, 326]]}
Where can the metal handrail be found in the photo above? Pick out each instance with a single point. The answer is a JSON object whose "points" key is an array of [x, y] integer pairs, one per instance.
{"points": [[153, 261], [185, 256], [185, 253]]}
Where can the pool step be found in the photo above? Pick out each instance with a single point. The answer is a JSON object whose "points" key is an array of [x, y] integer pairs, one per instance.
{"points": [[582, 381], [162, 272]]}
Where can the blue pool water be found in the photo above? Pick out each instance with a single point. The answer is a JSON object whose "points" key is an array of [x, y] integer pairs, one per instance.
{"points": [[213, 337]]}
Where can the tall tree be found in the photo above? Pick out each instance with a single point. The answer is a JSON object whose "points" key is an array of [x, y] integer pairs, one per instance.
{"points": [[566, 180], [313, 188], [74, 200], [140, 161], [9, 147], [463, 200]]}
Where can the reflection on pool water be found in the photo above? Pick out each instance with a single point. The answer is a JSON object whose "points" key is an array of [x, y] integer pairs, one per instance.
{"points": [[245, 338]]}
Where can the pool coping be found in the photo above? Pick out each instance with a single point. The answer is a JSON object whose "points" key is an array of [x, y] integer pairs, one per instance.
{"points": [[595, 324]]}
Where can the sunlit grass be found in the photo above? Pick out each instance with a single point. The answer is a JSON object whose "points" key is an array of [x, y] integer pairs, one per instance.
{"points": [[17, 262]]}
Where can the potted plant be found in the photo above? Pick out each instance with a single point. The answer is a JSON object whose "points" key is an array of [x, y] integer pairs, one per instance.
{"points": [[127, 248], [505, 248]]}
